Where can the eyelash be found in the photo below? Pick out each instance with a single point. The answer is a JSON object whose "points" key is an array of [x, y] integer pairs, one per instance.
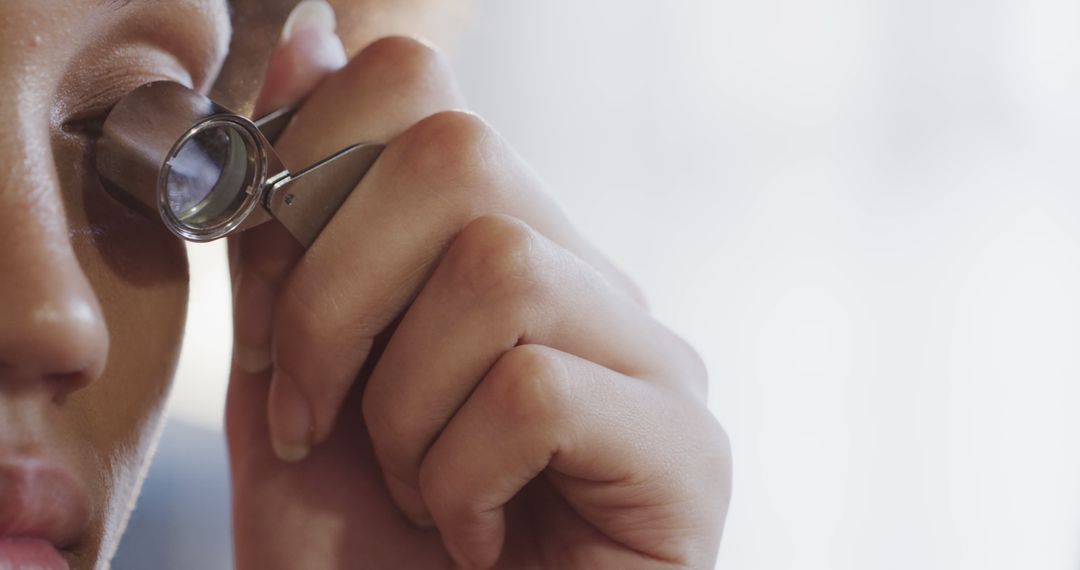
{"points": [[88, 124]]}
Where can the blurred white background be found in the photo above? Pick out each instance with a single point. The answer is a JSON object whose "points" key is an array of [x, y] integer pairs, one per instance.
{"points": [[862, 212]]}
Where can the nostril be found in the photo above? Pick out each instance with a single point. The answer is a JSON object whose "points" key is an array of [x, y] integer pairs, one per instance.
{"points": [[64, 383], [60, 342], [53, 333]]}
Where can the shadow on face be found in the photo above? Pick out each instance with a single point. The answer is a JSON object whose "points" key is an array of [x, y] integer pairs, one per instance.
{"points": [[94, 297]]}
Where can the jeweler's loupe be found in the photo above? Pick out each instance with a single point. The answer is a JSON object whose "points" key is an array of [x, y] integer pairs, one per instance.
{"points": [[207, 172]]}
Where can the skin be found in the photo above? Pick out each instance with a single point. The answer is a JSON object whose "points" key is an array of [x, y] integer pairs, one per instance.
{"points": [[93, 296], [451, 375]]}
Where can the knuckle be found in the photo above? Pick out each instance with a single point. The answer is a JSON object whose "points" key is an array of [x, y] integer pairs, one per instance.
{"points": [[696, 363], [397, 62], [716, 456], [695, 372], [531, 385], [704, 437], [450, 148], [500, 258], [722, 441]]}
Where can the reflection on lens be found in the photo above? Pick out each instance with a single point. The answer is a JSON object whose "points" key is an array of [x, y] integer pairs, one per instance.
{"points": [[208, 176]]}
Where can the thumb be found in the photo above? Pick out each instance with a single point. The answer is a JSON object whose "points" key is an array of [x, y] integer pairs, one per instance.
{"points": [[308, 50]]}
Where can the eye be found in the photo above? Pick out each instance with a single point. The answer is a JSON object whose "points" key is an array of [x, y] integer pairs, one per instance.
{"points": [[88, 124], [83, 116]]}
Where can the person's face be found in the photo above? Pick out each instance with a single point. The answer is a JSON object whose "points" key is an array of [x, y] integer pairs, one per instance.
{"points": [[92, 297]]}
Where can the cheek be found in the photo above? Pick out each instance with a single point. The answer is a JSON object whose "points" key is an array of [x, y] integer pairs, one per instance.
{"points": [[139, 274], [121, 413]]}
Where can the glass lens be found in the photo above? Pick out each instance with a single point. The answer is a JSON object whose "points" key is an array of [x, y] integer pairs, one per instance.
{"points": [[208, 176]]}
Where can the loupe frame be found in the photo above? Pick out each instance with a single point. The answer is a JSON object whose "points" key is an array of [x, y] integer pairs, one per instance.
{"points": [[255, 178], [149, 126]]}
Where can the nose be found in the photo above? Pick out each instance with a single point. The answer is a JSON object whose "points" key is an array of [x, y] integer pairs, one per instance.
{"points": [[53, 338]]}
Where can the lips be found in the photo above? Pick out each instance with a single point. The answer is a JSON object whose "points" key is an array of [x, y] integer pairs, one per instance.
{"points": [[30, 554], [43, 509]]}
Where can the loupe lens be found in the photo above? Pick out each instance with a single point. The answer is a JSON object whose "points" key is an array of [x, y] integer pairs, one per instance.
{"points": [[209, 176]]}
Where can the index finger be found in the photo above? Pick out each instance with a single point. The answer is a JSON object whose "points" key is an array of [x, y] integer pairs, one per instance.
{"points": [[307, 52], [388, 86]]}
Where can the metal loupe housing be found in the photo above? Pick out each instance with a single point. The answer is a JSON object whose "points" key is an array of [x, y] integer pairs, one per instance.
{"points": [[206, 172]]}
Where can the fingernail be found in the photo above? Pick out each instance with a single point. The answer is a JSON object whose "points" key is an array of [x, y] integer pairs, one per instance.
{"points": [[250, 359], [290, 419], [315, 15], [310, 30]]}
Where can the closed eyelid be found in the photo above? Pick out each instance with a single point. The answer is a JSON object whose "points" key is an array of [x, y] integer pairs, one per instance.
{"points": [[183, 41], [88, 94], [196, 32]]}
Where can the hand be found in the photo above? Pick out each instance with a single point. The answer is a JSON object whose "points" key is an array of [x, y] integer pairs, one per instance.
{"points": [[457, 378]]}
